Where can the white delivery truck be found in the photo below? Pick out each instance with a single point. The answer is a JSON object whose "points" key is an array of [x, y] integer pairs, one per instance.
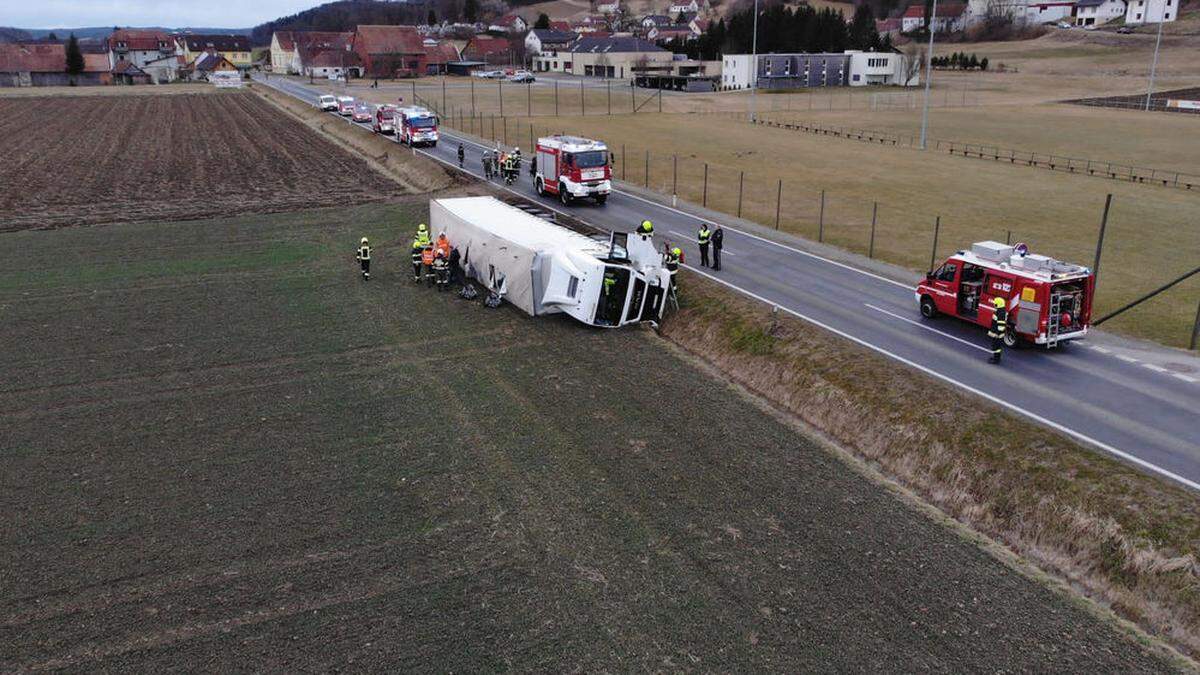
{"points": [[545, 268]]}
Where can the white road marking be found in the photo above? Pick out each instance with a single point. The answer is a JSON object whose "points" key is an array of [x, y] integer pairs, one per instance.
{"points": [[892, 355], [1155, 368], [1126, 359], [1185, 378], [918, 324], [1102, 350]]}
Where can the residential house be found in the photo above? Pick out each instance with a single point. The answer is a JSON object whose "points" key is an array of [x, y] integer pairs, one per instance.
{"points": [[509, 23], [564, 26], [690, 7], [698, 26], [545, 40], [656, 21], [1138, 12], [33, 65], [439, 55], [888, 26], [609, 8], [338, 63], [284, 57], [138, 47], [235, 48], [208, 63], [164, 69], [488, 49], [881, 68], [390, 51], [667, 34], [1098, 12], [96, 68], [950, 18], [619, 57]]}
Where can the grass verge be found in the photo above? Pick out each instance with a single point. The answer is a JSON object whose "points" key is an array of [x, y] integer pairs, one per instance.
{"points": [[1125, 539]]}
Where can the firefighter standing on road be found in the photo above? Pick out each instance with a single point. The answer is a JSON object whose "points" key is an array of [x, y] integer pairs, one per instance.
{"points": [[998, 329], [462, 153], [702, 238], [364, 258], [718, 242]]}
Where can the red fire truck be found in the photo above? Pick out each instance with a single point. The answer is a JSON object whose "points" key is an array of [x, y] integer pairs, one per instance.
{"points": [[572, 168], [416, 126], [1048, 300]]}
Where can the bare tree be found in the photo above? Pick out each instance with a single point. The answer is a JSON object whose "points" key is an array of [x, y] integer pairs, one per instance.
{"points": [[914, 61]]}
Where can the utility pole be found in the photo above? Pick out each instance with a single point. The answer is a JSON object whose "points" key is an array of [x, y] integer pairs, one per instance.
{"points": [[928, 73], [1154, 64], [754, 65]]}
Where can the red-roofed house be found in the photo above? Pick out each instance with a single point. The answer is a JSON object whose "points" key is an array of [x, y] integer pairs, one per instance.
{"points": [[139, 47], [950, 18], [888, 26], [290, 50], [564, 26], [127, 72], [509, 23], [699, 26], [390, 51], [438, 55], [657, 34], [33, 65], [493, 50]]}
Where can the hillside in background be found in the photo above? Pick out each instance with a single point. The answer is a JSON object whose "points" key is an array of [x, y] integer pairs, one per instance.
{"points": [[13, 35], [100, 32], [343, 15]]}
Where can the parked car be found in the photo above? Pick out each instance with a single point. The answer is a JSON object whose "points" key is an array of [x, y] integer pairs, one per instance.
{"points": [[1125, 30], [521, 76], [345, 105], [327, 102], [1064, 24], [363, 112], [485, 74]]}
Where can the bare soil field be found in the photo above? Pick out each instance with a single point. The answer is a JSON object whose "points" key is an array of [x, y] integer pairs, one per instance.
{"points": [[89, 160], [223, 449]]}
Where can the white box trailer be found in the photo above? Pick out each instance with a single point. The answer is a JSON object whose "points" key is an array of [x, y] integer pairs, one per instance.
{"points": [[545, 268]]}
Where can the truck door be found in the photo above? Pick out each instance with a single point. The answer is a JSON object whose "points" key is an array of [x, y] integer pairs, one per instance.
{"points": [[944, 284]]}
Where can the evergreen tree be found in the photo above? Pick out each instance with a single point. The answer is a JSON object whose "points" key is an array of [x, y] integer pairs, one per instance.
{"points": [[983, 63], [52, 37], [543, 21], [862, 29], [432, 18], [74, 57], [974, 62], [471, 10]]}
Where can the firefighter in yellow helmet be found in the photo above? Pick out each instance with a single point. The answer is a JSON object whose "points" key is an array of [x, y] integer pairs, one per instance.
{"points": [[998, 329], [364, 258], [674, 257], [646, 228], [423, 234]]}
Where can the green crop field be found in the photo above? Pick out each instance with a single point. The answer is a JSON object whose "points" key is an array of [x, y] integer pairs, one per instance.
{"points": [[222, 448]]}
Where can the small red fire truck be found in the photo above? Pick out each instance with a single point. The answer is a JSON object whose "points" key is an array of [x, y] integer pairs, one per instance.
{"points": [[416, 126], [572, 168], [1048, 300]]}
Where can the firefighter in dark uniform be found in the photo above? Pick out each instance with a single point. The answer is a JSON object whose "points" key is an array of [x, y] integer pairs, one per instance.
{"points": [[646, 228], [364, 258], [998, 329], [718, 242], [441, 270], [417, 248], [702, 238], [674, 256]]}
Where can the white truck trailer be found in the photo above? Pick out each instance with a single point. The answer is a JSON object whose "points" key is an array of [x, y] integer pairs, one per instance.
{"points": [[545, 268]]}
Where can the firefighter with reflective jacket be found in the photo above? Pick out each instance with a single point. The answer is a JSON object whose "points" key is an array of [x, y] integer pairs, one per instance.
{"points": [[646, 228], [423, 234], [364, 258], [702, 238], [673, 258], [998, 329], [441, 269]]}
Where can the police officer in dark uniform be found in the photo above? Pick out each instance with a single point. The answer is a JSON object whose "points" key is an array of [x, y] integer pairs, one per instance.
{"points": [[718, 242], [998, 329]]}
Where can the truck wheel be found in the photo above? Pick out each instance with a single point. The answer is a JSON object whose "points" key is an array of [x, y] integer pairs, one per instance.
{"points": [[928, 308], [600, 199], [564, 197], [1011, 340], [540, 188]]}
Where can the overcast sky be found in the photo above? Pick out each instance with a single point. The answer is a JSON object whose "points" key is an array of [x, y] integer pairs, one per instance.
{"points": [[169, 13]]}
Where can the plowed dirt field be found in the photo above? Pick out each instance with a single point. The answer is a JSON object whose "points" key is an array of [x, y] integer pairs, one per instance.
{"points": [[88, 160]]}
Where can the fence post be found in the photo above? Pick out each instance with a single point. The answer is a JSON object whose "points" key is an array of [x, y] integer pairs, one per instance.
{"points": [[532, 144], [500, 95], [674, 175], [556, 98], [778, 201], [504, 121], [871, 244], [493, 128], [647, 168], [1008, 239], [443, 93], [472, 97], [414, 92], [632, 99], [1100, 241], [528, 99], [821, 220], [608, 84], [622, 161], [1195, 329], [660, 100], [582, 101], [741, 181], [704, 197], [937, 226]]}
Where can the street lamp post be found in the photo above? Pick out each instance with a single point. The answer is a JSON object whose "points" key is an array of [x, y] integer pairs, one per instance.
{"points": [[754, 67], [928, 73], [1154, 64]]}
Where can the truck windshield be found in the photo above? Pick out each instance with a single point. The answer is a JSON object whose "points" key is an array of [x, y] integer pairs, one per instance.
{"points": [[423, 122], [593, 159]]}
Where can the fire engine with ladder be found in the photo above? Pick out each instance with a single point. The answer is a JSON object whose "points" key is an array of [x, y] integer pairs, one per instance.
{"points": [[572, 168], [1048, 301]]}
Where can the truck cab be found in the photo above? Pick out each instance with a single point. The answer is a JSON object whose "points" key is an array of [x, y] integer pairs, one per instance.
{"points": [[572, 168], [385, 116], [417, 126], [1048, 301]]}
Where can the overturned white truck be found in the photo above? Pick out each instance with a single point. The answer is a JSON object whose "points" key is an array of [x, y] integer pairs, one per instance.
{"points": [[545, 268]]}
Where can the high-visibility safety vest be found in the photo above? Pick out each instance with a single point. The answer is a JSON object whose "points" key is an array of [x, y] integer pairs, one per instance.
{"points": [[364, 253], [703, 235], [672, 262], [417, 247], [422, 239], [443, 245], [427, 257], [999, 323], [609, 282]]}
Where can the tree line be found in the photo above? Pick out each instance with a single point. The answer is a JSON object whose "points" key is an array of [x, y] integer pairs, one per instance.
{"points": [[960, 61], [786, 30]]}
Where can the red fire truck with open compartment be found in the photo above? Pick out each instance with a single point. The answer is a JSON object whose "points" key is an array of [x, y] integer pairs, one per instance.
{"points": [[572, 168], [1048, 301]]}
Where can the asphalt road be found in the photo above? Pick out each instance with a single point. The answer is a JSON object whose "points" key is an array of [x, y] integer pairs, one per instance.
{"points": [[1128, 407]]}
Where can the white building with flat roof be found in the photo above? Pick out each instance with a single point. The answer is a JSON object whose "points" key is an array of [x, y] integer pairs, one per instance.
{"points": [[1138, 12]]}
